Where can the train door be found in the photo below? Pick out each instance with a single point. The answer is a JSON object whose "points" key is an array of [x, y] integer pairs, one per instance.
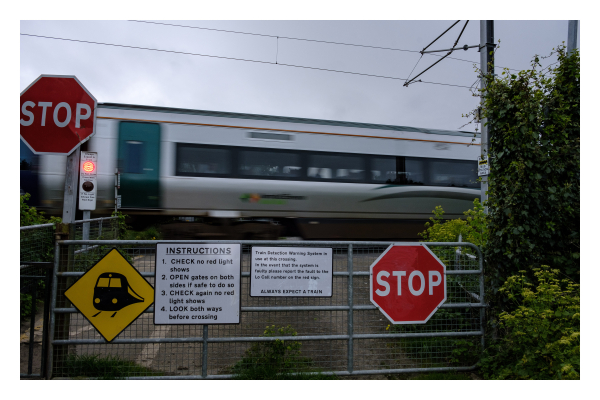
{"points": [[139, 151]]}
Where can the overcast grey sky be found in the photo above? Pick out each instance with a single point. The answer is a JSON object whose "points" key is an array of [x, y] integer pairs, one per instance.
{"points": [[135, 76]]}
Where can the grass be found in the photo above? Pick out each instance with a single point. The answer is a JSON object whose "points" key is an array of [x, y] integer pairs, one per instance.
{"points": [[111, 367], [276, 360]]}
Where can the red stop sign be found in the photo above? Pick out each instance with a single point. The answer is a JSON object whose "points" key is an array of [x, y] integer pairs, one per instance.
{"points": [[408, 283], [57, 114]]}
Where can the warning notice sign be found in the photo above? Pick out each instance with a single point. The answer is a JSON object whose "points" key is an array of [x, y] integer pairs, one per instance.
{"points": [[111, 295], [291, 271], [197, 284]]}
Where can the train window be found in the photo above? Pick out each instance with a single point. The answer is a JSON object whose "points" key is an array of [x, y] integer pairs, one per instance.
{"points": [[398, 170], [336, 167], [134, 153], [103, 282], [115, 282], [194, 160], [456, 173], [265, 163]]}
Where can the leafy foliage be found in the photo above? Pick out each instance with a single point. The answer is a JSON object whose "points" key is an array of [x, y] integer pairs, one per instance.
{"points": [[31, 216], [122, 225], [151, 233], [541, 337], [473, 229], [534, 182], [27, 306]]}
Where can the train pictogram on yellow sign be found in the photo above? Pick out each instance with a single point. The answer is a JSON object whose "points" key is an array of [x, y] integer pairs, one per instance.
{"points": [[111, 295]]}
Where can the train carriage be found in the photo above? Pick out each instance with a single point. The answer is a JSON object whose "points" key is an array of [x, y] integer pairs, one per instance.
{"points": [[257, 176]]}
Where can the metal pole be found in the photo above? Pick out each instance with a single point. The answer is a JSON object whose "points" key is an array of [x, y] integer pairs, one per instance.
{"points": [[204, 351], [486, 46], [572, 36], [71, 179], [350, 312], [50, 362], [86, 227], [116, 185]]}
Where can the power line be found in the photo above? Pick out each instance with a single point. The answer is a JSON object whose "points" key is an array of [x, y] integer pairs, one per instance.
{"points": [[307, 40], [230, 58]]}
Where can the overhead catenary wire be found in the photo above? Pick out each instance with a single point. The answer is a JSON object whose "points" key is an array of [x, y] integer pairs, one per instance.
{"points": [[229, 58], [309, 40]]}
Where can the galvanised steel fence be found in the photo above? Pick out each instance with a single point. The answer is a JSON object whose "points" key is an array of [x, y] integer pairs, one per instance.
{"points": [[37, 241], [341, 335], [36, 261]]}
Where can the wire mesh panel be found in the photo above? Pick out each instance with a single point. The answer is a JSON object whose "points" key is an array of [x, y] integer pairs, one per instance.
{"points": [[34, 308], [344, 334], [96, 229], [37, 243]]}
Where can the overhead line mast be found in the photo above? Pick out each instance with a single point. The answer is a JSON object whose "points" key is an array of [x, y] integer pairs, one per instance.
{"points": [[486, 50]]}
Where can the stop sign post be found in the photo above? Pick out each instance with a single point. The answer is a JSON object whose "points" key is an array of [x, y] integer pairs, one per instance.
{"points": [[408, 283], [58, 114]]}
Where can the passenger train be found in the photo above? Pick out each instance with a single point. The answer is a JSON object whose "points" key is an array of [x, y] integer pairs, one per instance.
{"points": [[246, 176]]}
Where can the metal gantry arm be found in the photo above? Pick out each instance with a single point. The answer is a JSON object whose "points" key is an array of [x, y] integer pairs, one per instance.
{"points": [[465, 47]]}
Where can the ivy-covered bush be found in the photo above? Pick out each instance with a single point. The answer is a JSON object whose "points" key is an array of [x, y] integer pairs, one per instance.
{"points": [[473, 228], [540, 339], [534, 181]]}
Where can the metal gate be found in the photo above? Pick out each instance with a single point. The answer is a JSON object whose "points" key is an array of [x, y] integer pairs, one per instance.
{"points": [[36, 254], [342, 335]]}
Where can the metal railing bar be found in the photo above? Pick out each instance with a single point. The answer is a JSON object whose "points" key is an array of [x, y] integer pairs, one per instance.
{"points": [[85, 250], [463, 272], [237, 339], [281, 243], [416, 335], [25, 228], [337, 373], [82, 221], [364, 307]]}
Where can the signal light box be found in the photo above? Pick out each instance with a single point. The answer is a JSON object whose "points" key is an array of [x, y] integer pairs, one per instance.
{"points": [[88, 167]]}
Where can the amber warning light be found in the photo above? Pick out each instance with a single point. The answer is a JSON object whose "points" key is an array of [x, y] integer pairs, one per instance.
{"points": [[89, 166]]}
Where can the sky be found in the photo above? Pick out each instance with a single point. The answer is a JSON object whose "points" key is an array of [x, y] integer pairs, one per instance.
{"points": [[268, 84]]}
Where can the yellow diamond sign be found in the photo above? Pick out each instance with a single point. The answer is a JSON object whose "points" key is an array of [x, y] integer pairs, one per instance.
{"points": [[111, 295]]}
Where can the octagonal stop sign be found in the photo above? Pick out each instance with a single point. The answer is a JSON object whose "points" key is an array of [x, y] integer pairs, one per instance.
{"points": [[408, 283], [57, 114]]}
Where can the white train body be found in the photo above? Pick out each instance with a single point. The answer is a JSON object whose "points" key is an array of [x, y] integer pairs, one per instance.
{"points": [[214, 164]]}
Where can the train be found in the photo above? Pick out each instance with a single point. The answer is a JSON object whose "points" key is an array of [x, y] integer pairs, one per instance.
{"points": [[225, 175]]}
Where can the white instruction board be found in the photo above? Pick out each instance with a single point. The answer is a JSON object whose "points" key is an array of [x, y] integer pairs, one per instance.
{"points": [[291, 271], [197, 284]]}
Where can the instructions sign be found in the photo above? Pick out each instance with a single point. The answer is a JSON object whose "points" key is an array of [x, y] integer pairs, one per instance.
{"points": [[291, 271], [111, 295], [483, 167], [88, 171], [197, 284]]}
